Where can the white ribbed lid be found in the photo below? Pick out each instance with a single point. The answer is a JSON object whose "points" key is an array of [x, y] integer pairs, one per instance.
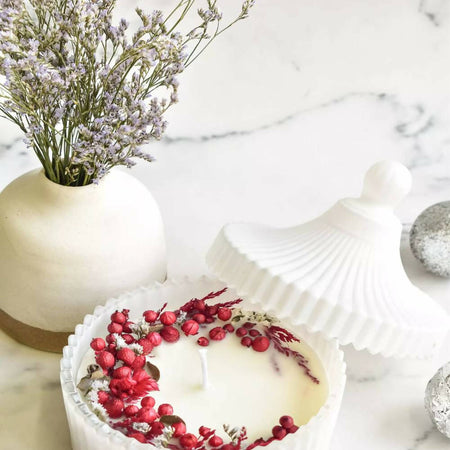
{"points": [[340, 273]]}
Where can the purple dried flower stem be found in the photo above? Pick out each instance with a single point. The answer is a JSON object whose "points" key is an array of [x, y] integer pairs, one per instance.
{"points": [[85, 96]]}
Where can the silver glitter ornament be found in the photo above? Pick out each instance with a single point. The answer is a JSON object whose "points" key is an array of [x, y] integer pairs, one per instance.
{"points": [[430, 239], [437, 399]]}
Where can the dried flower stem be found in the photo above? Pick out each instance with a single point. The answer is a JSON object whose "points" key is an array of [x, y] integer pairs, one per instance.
{"points": [[87, 97]]}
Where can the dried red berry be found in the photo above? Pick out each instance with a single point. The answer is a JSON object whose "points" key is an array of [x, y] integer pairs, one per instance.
{"points": [[179, 429], [203, 342], [246, 341], [114, 327], [199, 305], [110, 339], [210, 320], [105, 360], [240, 332], [190, 327], [122, 372], [199, 318], [138, 436], [157, 428], [146, 345], [217, 334], [138, 362], [154, 338], [127, 327], [165, 409], [170, 334], [286, 421], [114, 407], [188, 441], [150, 316], [102, 397], [228, 327], [203, 431], [249, 325], [118, 317], [112, 348], [126, 355], [211, 310], [128, 338], [168, 318], [292, 430], [261, 344], [131, 410], [215, 441], [278, 432], [98, 344], [224, 314], [120, 387], [254, 333], [148, 402], [147, 415]]}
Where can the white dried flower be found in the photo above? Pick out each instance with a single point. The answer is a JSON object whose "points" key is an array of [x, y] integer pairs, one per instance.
{"points": [[99, 410], [141, 426], [181, 317], [100, 385], [120, 342], [137, 348]]}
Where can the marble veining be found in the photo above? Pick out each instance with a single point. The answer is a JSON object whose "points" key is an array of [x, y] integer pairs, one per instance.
{"points": [[275, 132], [421, 439], [435, 10]]}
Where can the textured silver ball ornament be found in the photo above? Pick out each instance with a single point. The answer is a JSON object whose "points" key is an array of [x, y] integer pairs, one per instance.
{"points": [[430, 239], [437, 399]]}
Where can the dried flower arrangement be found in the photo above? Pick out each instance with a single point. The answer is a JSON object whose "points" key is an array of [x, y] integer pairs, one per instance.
{"points": [[116, 388], [87, 93]]}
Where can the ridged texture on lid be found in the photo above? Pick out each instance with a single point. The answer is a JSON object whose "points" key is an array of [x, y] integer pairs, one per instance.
{"points": [[340, 274]]}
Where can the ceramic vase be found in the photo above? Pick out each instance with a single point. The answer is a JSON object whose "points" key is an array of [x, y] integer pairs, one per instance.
{"points": [[63, 250]]}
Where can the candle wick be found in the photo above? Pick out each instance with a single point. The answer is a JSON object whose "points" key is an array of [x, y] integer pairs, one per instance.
{"points": [[204, 360]]}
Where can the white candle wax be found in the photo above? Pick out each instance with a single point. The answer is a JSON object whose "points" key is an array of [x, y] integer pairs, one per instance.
{"points": [[242, 387], [245, 388]]}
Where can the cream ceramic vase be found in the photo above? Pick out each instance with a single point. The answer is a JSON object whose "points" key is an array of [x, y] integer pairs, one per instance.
{"points": [[63, 250]]}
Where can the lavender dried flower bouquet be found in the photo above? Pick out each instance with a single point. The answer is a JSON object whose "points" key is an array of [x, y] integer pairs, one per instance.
{"points": [[87, 93]]}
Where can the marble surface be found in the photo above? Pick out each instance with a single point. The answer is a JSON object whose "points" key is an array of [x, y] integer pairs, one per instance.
{"points": [[281, 118]]}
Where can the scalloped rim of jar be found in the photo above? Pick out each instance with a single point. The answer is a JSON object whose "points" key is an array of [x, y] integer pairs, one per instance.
{"points": [[68, 384]]}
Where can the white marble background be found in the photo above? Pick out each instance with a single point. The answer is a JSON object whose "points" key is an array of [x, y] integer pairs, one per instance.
{"points": [[278, 120]]}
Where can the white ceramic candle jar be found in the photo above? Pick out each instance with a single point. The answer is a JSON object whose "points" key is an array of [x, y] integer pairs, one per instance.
{"points": [[88, 432]]}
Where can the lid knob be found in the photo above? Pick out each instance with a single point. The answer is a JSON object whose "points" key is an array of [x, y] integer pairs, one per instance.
{"points": [[386, 183]]}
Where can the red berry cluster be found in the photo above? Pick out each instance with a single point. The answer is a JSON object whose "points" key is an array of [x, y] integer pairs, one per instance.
{"points": [[279, 432], [125, 368], [286, 426], [129, 382], [200, 313], [249, 337], [155, 418]]}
